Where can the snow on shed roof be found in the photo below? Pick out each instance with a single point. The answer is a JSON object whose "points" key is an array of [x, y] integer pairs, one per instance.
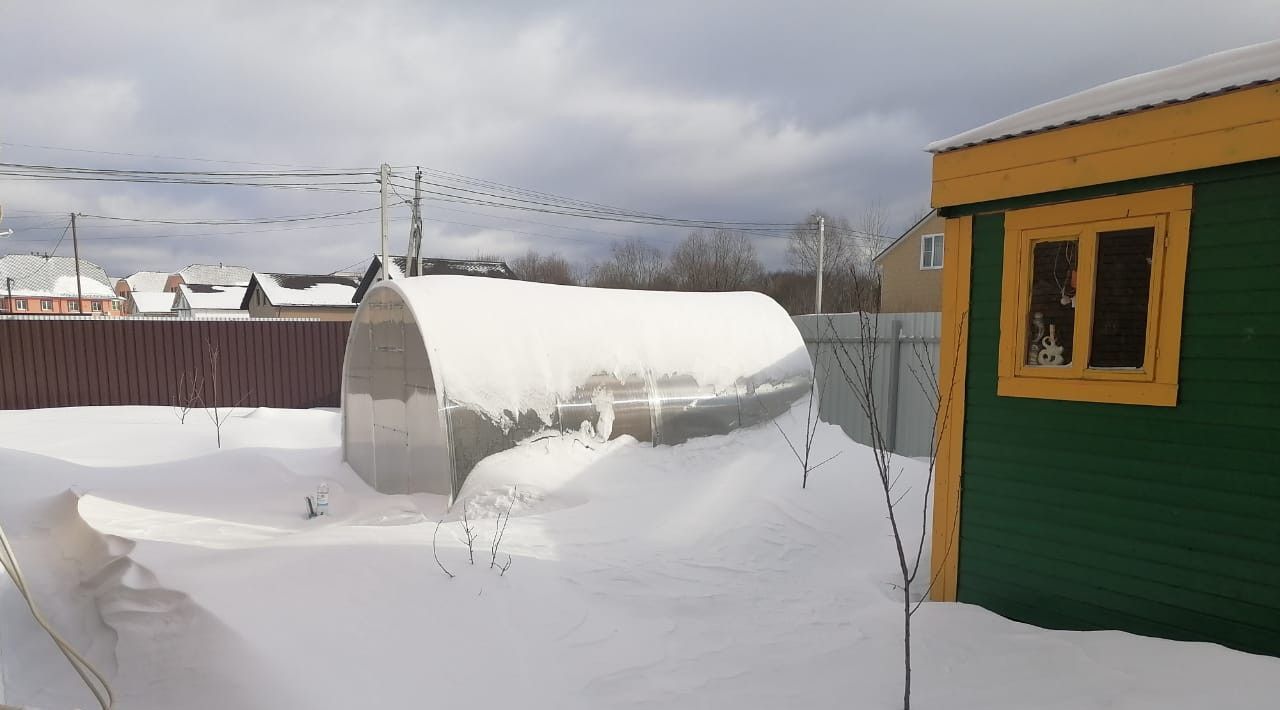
{"points": [[330, 290], [52, 276], [148, 281], [217, 274], [212, 296], [1215, 73], [152, 301]]}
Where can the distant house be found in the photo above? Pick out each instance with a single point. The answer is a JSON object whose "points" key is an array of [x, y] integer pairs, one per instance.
{"points": [[209, 301], [149, 304], [208, 274], [324, 297], [432, 267], [140, 282], [46, 286], [911, 268]]}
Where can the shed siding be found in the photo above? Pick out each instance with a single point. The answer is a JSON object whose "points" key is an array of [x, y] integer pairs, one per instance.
{"points": [[1160, 521]]}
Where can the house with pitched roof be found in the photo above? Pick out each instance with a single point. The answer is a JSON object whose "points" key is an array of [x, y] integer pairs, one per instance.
{"points": [[37, 285], [319, 296], [208, 274], [911, 268], [195, 301]]}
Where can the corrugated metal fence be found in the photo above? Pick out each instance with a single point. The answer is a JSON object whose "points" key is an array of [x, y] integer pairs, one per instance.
{"points": [[905, 375], [72, 362]]}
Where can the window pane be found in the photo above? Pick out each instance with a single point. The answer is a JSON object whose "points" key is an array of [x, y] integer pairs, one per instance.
{"points": [[937, 251], [1051, 319], [1122, 286]]}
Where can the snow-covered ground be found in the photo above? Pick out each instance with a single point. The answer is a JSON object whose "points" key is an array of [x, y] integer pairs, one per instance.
{"points": [[695, 576]]}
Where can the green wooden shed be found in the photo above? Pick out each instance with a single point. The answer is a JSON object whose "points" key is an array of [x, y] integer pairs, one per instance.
{"points": [[1110, 452]]}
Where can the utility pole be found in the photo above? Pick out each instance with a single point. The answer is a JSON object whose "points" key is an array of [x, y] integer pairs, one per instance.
{"points": [[822, 246], [75, 245], [8, 286], [384, 177], [415, 227]]}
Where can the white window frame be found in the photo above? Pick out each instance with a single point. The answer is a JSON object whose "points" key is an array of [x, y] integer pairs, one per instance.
{"points": [[95, 306], [73, 305], [19, 304], [935, 251], [46, 304]]}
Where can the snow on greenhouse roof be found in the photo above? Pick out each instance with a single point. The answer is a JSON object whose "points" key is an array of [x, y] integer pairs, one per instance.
{"points": [[571, 333], [1198, 78]]}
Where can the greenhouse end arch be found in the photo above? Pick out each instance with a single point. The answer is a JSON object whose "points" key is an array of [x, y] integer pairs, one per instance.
{"points": [[442, 371]]}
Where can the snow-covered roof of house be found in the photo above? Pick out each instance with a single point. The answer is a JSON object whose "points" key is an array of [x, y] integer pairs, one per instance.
{"points": [[147, 281], [216, 274], [35, 276], [208, 297], [399, 269], [152, 302], [1206, 76], [327, 290]]}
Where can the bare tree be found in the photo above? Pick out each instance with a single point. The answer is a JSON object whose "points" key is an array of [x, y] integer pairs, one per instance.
{"points": [[838, 252], [632, 264], [212, 410], [857, 363], [545, 268], [716, 260]]}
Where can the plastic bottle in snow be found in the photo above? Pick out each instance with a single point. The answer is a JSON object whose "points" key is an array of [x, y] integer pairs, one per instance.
{"points": [[322, 499]]}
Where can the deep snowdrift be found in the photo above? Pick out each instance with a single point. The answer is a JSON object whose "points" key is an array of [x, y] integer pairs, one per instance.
{"points": [[696, 576]]}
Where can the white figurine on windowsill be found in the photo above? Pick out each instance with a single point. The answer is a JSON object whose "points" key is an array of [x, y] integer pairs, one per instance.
{"points": [[1051, 351]]}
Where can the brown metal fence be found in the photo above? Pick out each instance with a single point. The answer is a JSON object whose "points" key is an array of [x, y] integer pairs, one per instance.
{"points": [[74, 362]]}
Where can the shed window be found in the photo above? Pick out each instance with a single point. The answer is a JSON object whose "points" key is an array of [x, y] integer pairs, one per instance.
{"points": [[931, 251], [1091, 305]]}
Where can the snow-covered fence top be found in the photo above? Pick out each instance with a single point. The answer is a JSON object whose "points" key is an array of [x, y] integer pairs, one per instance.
{"points": [[444, 370]]}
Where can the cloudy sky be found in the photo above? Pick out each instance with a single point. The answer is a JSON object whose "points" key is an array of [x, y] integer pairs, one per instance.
{"points": [[743, 111]]}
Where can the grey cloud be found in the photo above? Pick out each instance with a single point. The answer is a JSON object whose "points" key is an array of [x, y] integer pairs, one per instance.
{"points": [[739, 110]]}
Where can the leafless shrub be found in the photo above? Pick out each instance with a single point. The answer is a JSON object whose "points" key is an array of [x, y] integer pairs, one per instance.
{"points": [[804, 451], [435, 551], [500, 529], [502, 571], [469, 532], [188, 395]]}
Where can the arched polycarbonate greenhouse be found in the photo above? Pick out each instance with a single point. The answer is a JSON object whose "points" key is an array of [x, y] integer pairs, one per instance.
{"points": [[442, 371]]}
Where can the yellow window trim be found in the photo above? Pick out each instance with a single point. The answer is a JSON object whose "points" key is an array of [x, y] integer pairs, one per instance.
{"points": [[957, 256], [1156, 383], [1234, 127]]}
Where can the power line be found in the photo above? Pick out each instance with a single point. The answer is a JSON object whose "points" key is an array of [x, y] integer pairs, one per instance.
{"points": [[160, 157]]}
